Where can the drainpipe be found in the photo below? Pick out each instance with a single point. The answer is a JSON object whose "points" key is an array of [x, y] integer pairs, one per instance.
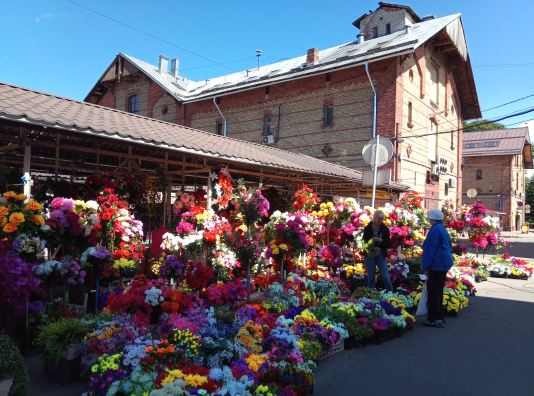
{"points": [[224, 127], [375, 170], [374, 99]]}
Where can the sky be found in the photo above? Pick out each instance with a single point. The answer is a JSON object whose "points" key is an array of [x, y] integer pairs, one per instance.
{"points": [[62, 48]]}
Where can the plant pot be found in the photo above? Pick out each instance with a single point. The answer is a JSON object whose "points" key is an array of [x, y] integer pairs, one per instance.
{"points": [[384, 335], [63, 372], [349, 343], [5, 385], [478, 279], [452, 314], [401, 331], [310, 391], [412, 310]]}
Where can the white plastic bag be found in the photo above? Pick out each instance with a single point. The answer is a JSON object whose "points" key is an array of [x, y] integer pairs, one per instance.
{"points": [[421, 307]]}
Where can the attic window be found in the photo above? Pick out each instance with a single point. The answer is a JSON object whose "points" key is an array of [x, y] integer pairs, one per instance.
{"points": [[375, 32], [471, 145], [491, 144]]}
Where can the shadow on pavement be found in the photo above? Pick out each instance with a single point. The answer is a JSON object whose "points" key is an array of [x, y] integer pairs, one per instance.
{"points": [[487, 350]]}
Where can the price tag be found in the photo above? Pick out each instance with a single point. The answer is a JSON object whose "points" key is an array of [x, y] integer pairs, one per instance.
{"points": [[423, 277]]}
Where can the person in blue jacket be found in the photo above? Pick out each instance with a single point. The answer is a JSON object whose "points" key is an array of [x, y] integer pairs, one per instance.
{"points": [[437, 260]]}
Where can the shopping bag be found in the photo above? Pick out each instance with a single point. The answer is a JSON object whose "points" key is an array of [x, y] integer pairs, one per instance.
{"points": [[421, 307]]}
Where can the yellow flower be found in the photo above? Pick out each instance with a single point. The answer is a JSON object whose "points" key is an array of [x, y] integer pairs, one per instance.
{"points": [[80, 204], [9, 227], [9, 194], [4, 211], [32, 205], [3, 221], [276, 251], [20, 197], [37, 219], [283, 246], [16, 217], [330, 204]]}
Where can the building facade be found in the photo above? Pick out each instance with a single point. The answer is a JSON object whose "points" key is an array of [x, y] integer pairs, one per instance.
{"points": [[494, 167], [321, 104]]}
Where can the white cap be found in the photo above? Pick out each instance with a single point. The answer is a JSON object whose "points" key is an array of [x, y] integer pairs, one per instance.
{"points": [[435, 214]]}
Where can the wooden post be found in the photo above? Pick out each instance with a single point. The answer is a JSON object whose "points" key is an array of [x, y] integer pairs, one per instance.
{"points": [[130, 160], [58, 137], [209, 191], [98, 160], [27, 178], [165, 198]]}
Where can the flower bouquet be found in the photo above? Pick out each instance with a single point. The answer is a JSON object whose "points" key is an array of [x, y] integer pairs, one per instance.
{"points": [[18, 218], [331, 254], [305, 199], [30, 248]]}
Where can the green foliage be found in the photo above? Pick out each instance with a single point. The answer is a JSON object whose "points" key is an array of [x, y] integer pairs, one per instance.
{"points": [[59, 336], [529, 191], [12, 366], [476, 126]]}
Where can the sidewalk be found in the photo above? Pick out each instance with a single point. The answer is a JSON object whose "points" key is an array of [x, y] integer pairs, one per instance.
{"points": [[486, 350], [521, 245]]}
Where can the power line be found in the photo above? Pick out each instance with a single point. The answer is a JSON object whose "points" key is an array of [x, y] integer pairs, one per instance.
{"points": [[461, 129], [151, 35], [517, 100]]}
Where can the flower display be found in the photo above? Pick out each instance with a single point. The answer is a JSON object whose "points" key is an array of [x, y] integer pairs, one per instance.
{"points": [[18, 218], [305, 199]]}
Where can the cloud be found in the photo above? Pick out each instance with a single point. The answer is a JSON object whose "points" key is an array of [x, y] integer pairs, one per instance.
{"points": [[48, 16]]}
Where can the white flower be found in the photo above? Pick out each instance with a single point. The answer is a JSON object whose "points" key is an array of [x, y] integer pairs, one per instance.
{"points": [[93, 205]]}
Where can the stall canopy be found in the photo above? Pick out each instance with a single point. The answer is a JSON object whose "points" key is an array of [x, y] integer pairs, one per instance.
{"points": [[73, 138]]}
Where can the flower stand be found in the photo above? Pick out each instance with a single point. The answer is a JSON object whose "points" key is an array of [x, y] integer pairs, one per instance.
{"points": [[349, 343], [338, 347], [5, 385], [383, 335]]}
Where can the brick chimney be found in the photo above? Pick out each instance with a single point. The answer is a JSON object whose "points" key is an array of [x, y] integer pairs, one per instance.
{"points": [[312, 56]]}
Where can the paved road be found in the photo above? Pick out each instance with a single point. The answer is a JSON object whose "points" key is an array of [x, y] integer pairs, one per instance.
{"points": [[487, 350]]}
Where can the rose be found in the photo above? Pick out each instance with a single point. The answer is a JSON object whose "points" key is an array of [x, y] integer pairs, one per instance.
{"points": [[9, 227], [39, 220], [16, 218], [4, 211], [32, 205], [3, 221], [9, 194]]}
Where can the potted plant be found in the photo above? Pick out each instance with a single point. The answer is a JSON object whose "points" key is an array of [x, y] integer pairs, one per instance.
{"points": [[62, 339], [479, 275], [14, 379]]}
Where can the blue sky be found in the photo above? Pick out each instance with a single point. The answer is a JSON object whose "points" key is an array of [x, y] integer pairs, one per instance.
{"points": [[61, 48]]}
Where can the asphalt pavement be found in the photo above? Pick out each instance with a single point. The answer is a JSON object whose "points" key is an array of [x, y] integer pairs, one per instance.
{"points": [[487, 350]]}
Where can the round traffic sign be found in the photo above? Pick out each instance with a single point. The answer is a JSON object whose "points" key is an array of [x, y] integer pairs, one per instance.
{"points": [[520, 204], [471, 193], [385, 151]]}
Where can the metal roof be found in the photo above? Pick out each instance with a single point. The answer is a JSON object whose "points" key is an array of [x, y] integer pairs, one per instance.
{"points": [[34, 107], [345, 55], [507, 142]]}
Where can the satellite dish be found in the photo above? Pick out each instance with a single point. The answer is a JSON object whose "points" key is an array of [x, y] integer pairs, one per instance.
{"points": [[385, 151], [471, 193]]}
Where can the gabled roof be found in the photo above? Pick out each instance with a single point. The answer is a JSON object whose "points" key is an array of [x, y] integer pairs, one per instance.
{"points": [[34, 107], [497, 142], [342, 56]]}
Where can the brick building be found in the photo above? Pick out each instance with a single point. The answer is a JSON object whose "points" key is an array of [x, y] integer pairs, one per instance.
{"points": [[321, 104], [494, 165]]}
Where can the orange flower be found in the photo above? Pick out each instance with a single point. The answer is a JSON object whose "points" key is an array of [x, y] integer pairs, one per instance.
{"points": [[169, 349], [32, 205], [9, 228], [3, 221], [39, 220], [9, 194], [149, 349], [20, 197], [16, 218], [4, 211]]}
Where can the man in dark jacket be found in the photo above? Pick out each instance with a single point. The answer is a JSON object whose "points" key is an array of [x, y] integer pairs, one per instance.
{"points": [[437, 260], [379, 233]]}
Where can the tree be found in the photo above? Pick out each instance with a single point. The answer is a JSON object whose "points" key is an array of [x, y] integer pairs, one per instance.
{"points": [[529, 191], [486, 126]]}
